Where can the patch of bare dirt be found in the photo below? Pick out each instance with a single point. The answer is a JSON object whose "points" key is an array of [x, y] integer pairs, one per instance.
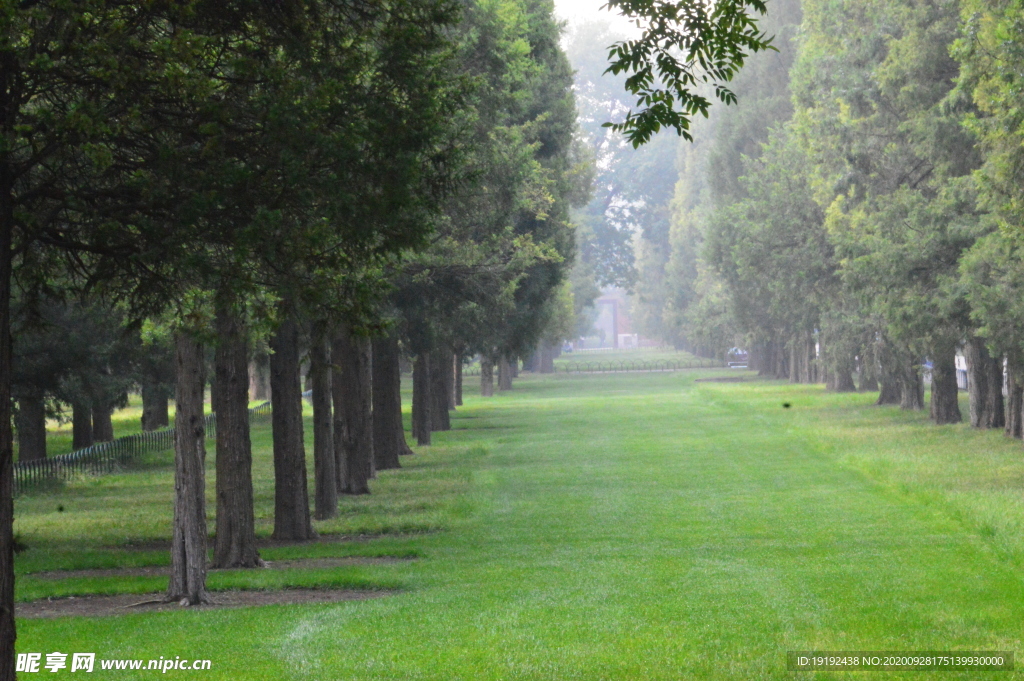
{"points": [[721, 379], [105, 606], [164, 570]]}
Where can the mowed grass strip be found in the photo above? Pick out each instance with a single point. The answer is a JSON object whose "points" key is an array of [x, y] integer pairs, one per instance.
{"points": [[621, 527]]}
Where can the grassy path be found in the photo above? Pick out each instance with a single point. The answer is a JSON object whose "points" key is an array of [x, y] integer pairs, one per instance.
{"points": [[642, 527]]}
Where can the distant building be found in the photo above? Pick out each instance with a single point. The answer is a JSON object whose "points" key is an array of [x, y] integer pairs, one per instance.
{"points": [[614, 323]]}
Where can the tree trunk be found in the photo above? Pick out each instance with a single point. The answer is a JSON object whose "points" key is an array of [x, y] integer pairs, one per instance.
{"points": [[805, 346], [547, 359], [781, 360], [235, 541], [291, 497], [325, 472], [31, 427], [945, 402], [259, 378], [458, 379], [102, 424], [450, 379], [155, 406], [754, 357], [486, 376], [8, 632], [911, 388], [421, 399], [985, 386], [995, 400], [815, 374], [1014, 396], [504, 373], [354, 364], [771, 360], [976, 356], [81, 426], [188, 546], [794, 360], [513, 368], [532, 362], [843, 380], [890, 392], [338, 397], [388, 436], [867, 381], [441, 380], [1014, 405]]}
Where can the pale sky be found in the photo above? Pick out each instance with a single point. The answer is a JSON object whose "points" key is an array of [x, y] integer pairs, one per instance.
{"points": [[576, 11]]}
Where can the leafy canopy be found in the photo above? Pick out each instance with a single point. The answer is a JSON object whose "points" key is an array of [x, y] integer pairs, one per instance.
{"points": [[684, 44]]}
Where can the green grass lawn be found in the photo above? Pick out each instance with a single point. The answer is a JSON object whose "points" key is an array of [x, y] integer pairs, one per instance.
{"points": [[606, 356], [632, 526]]}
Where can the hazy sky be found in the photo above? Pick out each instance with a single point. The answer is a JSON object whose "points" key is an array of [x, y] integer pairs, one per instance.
{"points": [[575, 11]]}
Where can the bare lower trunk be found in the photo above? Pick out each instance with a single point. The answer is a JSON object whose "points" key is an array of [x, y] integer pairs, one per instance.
{"points": [[754, 354], [458, 379], [325, 472], [388, 436], [997, 406], [911, 388], [547, 359], [794, 361], [890, 392], [867, 380], [441, 381], [259, 377], [155, 406], [1014, 404], [235, 541], [291, 497], [803, 350], [31, 424], [504, 373], [338, 396], [486, 377], [843, 381], [81, 425], [985, 385], [976, 356], [355, 367], [779, 359], [816, 372], [1014, 396], [768, 359], [7, 629], [188, 546], [421, 399], [102, 424], [945, 403], [513, 368], [450, 380], [532, 363]]}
